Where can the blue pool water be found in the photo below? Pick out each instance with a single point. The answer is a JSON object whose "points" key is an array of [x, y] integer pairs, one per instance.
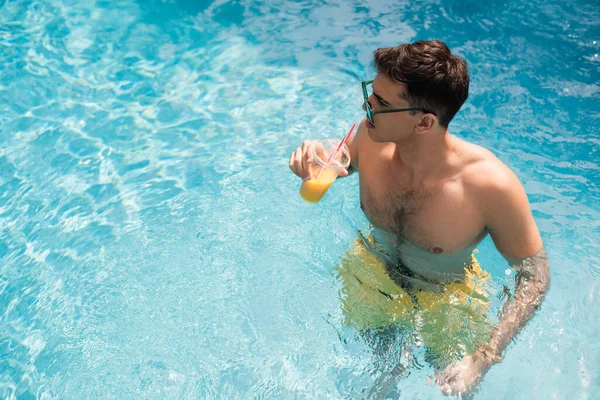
{"points": [[152, 241]]}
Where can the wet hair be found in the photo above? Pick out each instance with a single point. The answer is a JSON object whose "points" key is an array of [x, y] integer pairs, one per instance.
{"points": [[435, 80]]}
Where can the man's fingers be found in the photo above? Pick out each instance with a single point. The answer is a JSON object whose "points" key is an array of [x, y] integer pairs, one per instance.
{"points": [[445, 378], [307, 161], [292, 160], [305, 146], [446, 389], [307, 165], [296, 162], [302, 160], [450, 384]]}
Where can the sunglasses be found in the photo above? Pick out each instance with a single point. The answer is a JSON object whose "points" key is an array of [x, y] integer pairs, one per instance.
{"points": [[370, 111]]}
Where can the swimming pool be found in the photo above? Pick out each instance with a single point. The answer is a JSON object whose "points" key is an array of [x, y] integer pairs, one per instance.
{"points": [[153, 242]]}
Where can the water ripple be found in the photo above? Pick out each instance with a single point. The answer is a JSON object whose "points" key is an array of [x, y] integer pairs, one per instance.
{"points": [[152, 243]]}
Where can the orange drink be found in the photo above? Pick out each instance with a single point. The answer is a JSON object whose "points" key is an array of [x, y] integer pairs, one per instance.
{"points": [[314, 189], [327, 164]]}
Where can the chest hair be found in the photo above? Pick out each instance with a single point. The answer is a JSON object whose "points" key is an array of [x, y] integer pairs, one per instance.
{"points": [[396, 211]]}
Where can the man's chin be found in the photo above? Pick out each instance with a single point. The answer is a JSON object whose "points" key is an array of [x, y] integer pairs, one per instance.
{"points": [[372, 133]]}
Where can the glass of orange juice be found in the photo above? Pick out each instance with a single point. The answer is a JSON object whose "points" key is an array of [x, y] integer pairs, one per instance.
{"points": [[325, 168]]}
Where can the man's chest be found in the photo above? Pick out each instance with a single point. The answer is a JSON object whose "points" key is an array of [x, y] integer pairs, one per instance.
{"points": [[439, 218]]}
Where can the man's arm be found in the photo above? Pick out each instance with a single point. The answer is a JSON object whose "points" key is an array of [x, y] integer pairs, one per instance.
{"points": [[517, 238], [508, 218], [532, 283]]}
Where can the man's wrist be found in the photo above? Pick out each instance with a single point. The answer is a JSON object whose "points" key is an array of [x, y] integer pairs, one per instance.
{"points": [[487, 354]]}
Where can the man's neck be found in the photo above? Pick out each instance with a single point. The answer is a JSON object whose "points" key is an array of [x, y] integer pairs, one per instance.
{"points": [[422, 155]]}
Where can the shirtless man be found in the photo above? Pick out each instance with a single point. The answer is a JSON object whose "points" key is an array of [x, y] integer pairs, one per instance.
{"points": [[434, 197]]}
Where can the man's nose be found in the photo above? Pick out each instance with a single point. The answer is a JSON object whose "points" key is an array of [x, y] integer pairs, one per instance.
{"points": [[364, 106]]}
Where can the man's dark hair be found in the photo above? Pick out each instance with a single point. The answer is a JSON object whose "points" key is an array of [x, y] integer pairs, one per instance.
{"points": [[435, 80]]}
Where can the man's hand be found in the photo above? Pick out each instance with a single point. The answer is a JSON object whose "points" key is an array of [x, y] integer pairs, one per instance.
{"points": [[303, 164], [301, 160], [464, 375]]}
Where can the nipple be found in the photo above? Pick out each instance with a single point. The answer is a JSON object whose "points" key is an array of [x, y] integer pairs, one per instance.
{"points": [[437, 250]]}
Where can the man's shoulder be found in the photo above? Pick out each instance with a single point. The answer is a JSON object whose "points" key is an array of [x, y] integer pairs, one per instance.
{"points": [[485, 174]]}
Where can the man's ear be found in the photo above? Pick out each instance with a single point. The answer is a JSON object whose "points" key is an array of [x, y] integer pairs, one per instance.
{"points": [[426, 123]]}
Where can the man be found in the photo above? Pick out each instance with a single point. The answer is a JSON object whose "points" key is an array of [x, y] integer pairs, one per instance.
{"points": [[433, 197]]}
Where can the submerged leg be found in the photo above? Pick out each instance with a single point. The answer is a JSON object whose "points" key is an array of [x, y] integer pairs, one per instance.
{"points": [[392, 352], [386, 384]]}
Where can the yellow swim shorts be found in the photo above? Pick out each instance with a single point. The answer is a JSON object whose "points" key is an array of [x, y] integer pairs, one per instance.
{"points": [[451, 323]]}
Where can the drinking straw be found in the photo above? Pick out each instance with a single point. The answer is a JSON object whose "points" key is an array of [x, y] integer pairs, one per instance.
{"points": [[338, 149]]}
